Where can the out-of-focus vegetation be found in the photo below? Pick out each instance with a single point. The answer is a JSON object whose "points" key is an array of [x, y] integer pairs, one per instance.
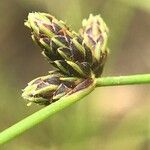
{"points": [[110, 118]]}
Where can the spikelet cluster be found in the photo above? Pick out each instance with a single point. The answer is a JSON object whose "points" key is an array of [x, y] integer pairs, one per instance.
{"points": [[76, 56]]}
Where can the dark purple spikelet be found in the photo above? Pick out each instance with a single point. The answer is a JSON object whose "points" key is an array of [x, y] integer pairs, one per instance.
{"points": [[94, 31], [80, 55], [78, 58], [48, 89]]}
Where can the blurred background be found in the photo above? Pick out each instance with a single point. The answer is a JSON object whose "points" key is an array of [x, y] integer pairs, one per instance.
{"points": [[110, 118]]}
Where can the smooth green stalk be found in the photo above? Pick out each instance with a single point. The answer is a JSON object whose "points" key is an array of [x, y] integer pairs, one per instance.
{"points": [[123, 80], [39, 116], [48, 111]]}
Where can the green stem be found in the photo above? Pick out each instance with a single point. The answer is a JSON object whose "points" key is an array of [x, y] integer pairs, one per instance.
{"points": [[123, 80], [39, 116]]}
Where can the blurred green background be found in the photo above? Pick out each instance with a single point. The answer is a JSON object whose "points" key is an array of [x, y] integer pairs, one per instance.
{"points": [[110, 118]]}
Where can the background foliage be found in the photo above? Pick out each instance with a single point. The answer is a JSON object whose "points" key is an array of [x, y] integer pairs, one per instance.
{"points": [[111, 117]]}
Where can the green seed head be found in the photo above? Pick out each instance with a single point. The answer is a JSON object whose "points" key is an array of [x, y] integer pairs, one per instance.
{"points": [[47, 89], [95, 34], [79, 58], [61, 46], [77, 55]]}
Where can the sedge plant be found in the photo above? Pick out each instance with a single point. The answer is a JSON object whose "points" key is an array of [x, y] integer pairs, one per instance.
{"points": [[78, 59]]}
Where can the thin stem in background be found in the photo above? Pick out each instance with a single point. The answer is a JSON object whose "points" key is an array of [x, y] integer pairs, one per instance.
{"points": [[39, 116]]}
